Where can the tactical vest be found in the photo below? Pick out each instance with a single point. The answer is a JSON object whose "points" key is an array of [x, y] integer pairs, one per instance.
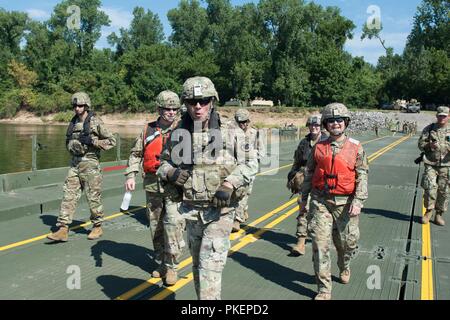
{"points": [[208, 171], [335, 175], [152, 146]]}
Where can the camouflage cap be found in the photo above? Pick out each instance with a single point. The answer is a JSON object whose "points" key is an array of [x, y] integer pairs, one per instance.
{"points": [[242, 115], [335, 110], [198, 88], [313, 120], [167, 98], [442, 111], [80, 99]]}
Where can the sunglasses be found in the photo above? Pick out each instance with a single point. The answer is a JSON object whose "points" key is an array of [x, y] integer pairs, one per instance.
{"points": [[170, 109], [202, 102], [333, 120], [244, 122], [78, 106]]}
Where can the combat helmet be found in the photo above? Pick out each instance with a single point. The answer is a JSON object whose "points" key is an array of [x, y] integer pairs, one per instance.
{"points": [[80, 99], [313, 120], [242, 115], [198, 88], [335, 110], [168, 98]]}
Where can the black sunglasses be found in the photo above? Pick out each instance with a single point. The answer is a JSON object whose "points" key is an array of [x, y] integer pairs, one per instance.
{"points": [[78, 105], [193, 102], [333, 120], [169, 109]]}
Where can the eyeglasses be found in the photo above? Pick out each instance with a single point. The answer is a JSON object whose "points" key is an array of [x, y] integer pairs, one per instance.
{"points": [[333, 120], [170, 109], [78, 106], [193, 102], [244, 122]]}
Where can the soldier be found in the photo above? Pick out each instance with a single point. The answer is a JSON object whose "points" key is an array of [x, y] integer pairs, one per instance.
{"points": [[296, 176], [213, 179], [86, 137], [336, 177], [434, 142], [247, 142], [166, 223]]}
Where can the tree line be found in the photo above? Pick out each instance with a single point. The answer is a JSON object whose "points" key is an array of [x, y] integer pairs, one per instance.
{"points": [[283, 50]]}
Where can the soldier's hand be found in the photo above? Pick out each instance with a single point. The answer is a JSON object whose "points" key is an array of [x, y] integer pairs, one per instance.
{"points": [[178, 176], [130, 184], [86, 139], [354, 210], [222, 196]]}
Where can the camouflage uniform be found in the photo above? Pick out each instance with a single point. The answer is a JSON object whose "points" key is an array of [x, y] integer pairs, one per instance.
{"points": [[250, 140], [84, 172], [208, 226], [330, 213], [300, 158], [166, 223], [435, 179]]}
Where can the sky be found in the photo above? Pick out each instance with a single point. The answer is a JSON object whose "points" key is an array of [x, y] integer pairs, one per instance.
{"points": [[396, 18]]}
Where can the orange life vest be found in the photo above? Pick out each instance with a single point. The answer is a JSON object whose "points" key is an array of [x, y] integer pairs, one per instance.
{"points": [[335, 175], [152, 145]]}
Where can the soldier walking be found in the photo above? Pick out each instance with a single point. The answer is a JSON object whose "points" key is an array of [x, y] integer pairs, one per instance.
{"points": [[336, 177], [213, 180], [434, 142], [296, 176], [86, 137], [166, 223], [246, 143]]}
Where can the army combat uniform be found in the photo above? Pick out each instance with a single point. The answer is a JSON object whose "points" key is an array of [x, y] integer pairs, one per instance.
{"points": [[209, 163], [435, 179], [166, 223], [85, 173], [336, 177]]}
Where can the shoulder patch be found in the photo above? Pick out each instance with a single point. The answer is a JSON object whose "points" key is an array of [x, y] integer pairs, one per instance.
{"points": [[354, 141]]}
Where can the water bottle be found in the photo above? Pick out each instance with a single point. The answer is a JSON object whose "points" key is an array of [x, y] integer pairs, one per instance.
{"points": [[125, 202]]}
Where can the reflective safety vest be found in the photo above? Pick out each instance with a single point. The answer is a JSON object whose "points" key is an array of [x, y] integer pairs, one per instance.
{"points": [[335, 175], [152, 146]]}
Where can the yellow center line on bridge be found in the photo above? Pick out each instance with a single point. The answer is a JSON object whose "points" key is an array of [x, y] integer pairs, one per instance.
{"points": [[426, 290], [250, 238], [113, 216]]}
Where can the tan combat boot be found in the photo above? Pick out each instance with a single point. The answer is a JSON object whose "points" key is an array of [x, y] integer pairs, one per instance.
{"points": [[426, 218], [95, 233], [171, 277], [61, 235], [299, 248], [236, 226], [439, 220], [344, 276], [160, 272], [323, 296]]}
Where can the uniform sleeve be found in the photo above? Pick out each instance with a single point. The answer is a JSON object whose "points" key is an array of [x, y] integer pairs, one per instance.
{"points": [[166, 162], [298, 157], [362, 172], [309, 171], [135, 158], [423, 142], [104, 140]]}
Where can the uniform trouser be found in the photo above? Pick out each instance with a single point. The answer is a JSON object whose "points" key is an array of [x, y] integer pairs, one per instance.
{"points": [[209, 244], [85, 176], [328, 222], [242, 208], [303, 222], [435, 182], [166, 228]]}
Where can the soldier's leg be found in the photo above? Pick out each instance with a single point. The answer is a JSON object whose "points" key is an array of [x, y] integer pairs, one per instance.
{"points": [[72, 194], [174, 225], [429, 185], [442, 190], [345, 236], [92, 179], [194, 237], [155, 212], [213, 256], [442, 195], [321, 229]]}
